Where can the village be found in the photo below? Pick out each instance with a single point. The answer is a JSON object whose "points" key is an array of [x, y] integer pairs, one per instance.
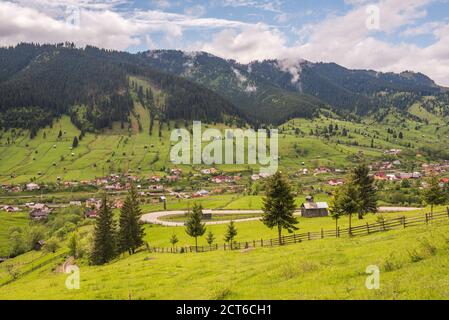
{"points": [[203, 183]]}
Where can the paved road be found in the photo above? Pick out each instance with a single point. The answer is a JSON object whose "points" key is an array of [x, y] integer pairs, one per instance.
{"points": [[153, 217]]}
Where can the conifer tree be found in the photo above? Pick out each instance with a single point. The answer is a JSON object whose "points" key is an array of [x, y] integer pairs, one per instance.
{"points": [[279, 205], [75, 142], [367, 191], [231, 233], [131, 232], [104, 244], [210, 239], [174, 240], [194, 227]]}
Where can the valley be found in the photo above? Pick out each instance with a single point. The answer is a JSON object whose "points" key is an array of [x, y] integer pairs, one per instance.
{"points": [[74, 150]]}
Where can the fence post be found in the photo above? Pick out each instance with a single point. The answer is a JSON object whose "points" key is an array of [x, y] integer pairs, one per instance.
{"points": [[261, 242], [338, 232], [427, 218], [367, 227], [322, 233], [404, 222], [271, 242], [383, 224], [294, 237], [224, 246], [254, 243], [447, 209]]}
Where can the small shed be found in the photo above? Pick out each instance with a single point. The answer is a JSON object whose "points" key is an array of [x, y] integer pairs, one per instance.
{"points": [[38, 246], [312, 209]]}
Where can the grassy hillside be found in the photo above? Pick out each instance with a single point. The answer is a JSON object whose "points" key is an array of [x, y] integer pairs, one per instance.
{"points": [[412, 264], [7, 221], [133, 149]]}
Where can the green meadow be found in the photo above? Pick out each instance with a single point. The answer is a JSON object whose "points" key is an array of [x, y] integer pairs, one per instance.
{"points": [[8, 221], [412, 262], [133, 149]]}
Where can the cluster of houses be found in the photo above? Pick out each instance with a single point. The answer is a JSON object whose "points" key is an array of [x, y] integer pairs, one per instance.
{"points": [[393, 152], [39, 211], [397, 176]]}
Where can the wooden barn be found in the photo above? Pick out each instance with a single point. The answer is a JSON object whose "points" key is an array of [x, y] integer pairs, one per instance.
{"points": [[312, 209]]}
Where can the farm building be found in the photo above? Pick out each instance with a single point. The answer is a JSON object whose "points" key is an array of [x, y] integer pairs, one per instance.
{"points": [[91, 213], [312, 209], [11, 209], [39, 212], [32, 187]]}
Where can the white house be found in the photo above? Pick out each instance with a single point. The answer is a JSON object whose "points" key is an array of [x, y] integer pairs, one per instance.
{"points": [[32, 186]]}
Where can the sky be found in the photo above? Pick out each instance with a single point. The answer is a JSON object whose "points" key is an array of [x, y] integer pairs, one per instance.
{"points": [[383, 35]]}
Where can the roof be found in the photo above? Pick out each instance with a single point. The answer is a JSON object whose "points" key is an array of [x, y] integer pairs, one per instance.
{"points": [[315, 205]]}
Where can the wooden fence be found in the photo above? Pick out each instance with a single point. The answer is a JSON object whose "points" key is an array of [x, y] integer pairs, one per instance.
{"points": [[362, 230]]}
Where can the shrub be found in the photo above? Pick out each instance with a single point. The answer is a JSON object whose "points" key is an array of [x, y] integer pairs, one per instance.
{"points": [[414, 255], [51, 245], [391, 263], [428, 248]]}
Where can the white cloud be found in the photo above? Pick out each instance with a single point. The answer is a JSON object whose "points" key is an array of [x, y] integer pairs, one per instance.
{"points": [[345, 39], [256, 42], [267, 5], [196, 11], [101, 28]]}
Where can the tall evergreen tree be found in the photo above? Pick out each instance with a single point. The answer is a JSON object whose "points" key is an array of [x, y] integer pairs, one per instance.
{"points": [[194, 227], [434, 195], [279, 205], [75, 142], [131, 232], [104, 244], [231, 232], [367, 191]]}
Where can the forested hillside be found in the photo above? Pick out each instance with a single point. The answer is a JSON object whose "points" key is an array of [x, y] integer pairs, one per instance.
{"points": [[40, 83]]}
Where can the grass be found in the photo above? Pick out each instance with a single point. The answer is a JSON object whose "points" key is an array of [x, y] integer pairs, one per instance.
{"points": [[324, 269], [159, 236], [215, 217], [7, 221], [45, 158]]}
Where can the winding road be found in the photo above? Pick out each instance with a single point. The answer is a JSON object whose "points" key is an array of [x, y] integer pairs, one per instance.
{"points": [[154, 217]]}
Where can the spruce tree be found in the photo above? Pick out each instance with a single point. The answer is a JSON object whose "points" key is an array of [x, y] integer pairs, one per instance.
{"points": [[75, 142], [131, 232], [279, 205], [367, 191], [210, 239], [231, 232], [104, 244], [194, 227], [174, 240]]}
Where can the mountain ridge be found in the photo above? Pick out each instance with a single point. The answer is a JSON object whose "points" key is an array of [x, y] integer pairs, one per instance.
{"points": [[51, 80]]}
